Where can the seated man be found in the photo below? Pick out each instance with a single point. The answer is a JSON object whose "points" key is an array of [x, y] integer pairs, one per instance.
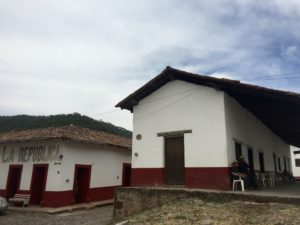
{"points": [[236, 174], [243, 166]]}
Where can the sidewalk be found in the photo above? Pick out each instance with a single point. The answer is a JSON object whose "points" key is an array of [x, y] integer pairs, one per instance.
{"points": [[61, 209]]}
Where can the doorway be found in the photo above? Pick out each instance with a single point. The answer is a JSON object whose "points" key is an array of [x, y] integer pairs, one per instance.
{"points": [[13, 180], [81, 183], [174, 160], [38, 183], [126, 175], [261, 162], [250, 160], [238, 151]]}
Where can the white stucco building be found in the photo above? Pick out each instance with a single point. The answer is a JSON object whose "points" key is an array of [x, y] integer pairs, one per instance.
{"points": [[295, 157], [63, 166], [188, 129]]}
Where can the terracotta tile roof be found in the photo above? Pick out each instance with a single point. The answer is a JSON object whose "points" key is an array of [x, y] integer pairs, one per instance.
{"points": [[69, 132]]}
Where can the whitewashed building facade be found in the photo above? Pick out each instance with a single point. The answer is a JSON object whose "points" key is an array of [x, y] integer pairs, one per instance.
{"points": [[188, 129], [63, 166], [295, 157]]}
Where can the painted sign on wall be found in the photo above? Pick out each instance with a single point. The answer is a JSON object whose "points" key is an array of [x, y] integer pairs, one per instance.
{"points": [[38, 153]]}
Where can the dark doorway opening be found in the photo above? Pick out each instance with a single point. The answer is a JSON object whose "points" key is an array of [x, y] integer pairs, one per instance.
{"points": [[82, 183], [174, 160], [126, 174], [261, 162], [275, 162], [38, 183], [238, 150], [284, 163], [13, 180], [250, 160]]}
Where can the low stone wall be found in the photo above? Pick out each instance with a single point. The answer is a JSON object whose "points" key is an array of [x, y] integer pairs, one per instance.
{"points": [[132, 200]]}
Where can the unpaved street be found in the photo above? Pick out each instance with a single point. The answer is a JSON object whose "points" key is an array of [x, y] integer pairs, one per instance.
{"points": [[195, 211], [96, 216]]}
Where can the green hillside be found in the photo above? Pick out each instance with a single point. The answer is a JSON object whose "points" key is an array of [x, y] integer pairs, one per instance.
{"points": [[23, 122]]}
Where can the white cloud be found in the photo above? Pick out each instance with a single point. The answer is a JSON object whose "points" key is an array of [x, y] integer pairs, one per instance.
{"points": [[85, 56]]}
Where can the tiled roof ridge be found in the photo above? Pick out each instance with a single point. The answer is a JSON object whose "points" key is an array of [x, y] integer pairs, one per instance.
{"points": [[70, 131]]}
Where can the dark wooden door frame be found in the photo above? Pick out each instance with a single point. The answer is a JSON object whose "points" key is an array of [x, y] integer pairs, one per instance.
{"points": [[46, 166], [165, 171], [84, 166], [9, 174], [124, 175]]}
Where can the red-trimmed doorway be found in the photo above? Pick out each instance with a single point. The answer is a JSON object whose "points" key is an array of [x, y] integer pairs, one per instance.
{"points": [[38, 183], [126, 175], [82, 180], [13, 180]]}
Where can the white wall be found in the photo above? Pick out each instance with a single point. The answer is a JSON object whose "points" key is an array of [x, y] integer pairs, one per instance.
{"points": [[180, 105], [244, 127], [27, 166], [106, 165], [296, 170]]}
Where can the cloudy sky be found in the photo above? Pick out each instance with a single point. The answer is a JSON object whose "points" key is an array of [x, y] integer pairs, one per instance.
{"points": [[85, 56]]}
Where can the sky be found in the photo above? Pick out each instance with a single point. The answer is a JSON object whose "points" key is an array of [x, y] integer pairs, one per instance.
{"points": [[60, 57]]}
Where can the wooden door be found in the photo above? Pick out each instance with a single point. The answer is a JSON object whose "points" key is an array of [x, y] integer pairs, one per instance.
{"points": [[13, 180], [174, 161], [38, 183], [82, 183], [126, 175]]}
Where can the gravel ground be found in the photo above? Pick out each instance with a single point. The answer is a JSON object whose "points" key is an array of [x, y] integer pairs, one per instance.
{"points": [[95, 216], [194, 211]]}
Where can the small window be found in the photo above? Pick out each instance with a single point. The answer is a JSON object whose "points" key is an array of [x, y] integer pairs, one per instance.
{"points": [[238, 150], [261, 162], [297, 162]]}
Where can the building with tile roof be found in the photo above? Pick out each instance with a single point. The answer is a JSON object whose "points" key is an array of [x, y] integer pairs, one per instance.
{"points": [[59, 166], [189, 128]]}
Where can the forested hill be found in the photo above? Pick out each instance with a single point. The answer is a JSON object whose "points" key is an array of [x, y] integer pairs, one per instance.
{"points": [[23, 122]]}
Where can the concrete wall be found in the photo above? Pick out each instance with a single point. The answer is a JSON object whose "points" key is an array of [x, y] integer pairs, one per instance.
{"points": [[106, 169], [242, 126], [179, 105], [216, 121], [107, 164], [53, 179], [296, 170]]}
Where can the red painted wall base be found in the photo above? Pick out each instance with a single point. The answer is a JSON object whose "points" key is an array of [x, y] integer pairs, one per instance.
{"points": [[141, 177], [65, 198], [217, 178], [57, 198]]}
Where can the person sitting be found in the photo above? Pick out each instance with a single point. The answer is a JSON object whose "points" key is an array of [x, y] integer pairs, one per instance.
{"points": [[236, 174]]}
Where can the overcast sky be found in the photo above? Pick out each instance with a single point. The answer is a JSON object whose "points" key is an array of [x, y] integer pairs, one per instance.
{"points": [[85, 56]]}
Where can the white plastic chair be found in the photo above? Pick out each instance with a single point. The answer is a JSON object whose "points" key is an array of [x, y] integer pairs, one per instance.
{"points": [[262, 177], [272, 179], [236, 181]]}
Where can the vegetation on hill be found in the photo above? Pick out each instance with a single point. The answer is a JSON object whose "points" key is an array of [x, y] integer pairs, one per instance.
{"points": [[24, 122]]}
